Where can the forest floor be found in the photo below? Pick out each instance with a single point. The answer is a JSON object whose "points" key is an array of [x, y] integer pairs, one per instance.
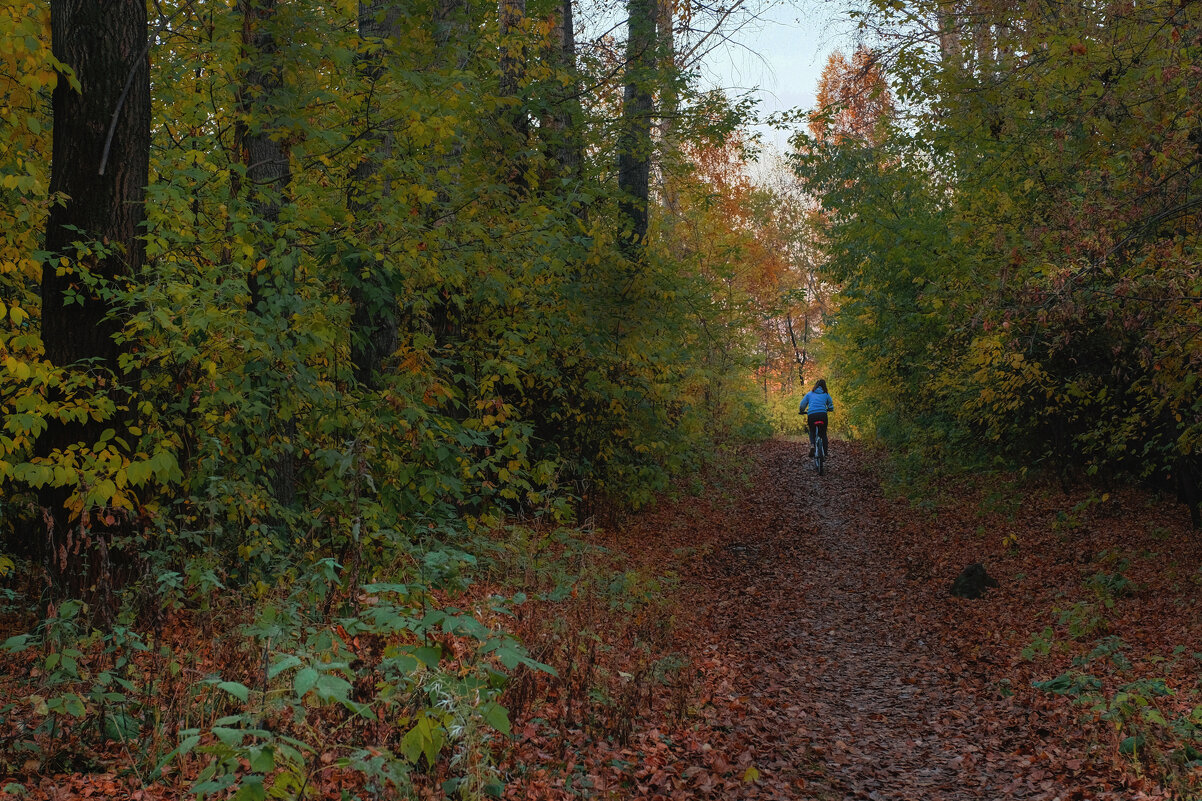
{"points": [[826, 658], [773, 634]]}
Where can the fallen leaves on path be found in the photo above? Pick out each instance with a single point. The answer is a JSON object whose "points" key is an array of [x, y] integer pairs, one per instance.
{"points": [[829, 661]]}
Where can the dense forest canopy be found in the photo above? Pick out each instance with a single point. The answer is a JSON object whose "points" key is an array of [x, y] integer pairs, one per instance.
{"points": [[410, 245], [1016, 237]]}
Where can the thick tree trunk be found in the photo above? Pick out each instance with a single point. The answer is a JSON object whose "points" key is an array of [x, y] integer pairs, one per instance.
{"points": [[100, 164], [948, 22], [638, 111], [263, 153], [373, 336], [568, 115], [106, 46], [669, 105], [265, 158]]}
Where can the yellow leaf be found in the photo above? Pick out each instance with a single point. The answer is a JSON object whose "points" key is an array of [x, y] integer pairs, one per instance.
{"points": [[751, 774]]}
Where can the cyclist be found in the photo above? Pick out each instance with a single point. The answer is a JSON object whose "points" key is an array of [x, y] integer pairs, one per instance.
{"points": [[815, 406]]}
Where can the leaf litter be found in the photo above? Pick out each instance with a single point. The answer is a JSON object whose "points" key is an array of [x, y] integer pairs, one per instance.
{"points": [[800, 643], [828, 660]]}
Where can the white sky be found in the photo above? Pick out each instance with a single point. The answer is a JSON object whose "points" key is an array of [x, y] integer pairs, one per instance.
{"points": [[778, 56], [781, 56]]}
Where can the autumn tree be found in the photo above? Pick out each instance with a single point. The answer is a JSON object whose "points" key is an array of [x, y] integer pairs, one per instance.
{"points": [[854, 100], [94, 241], [1021, 241], [370, 280], [634, 141]]}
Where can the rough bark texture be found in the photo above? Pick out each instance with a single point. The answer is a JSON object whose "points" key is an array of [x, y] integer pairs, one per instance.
{"points": [[268, 174], [106, 46], [566, 121], [100, 165], [638, 111], [263, 153], [669, 104], [374, 307]]}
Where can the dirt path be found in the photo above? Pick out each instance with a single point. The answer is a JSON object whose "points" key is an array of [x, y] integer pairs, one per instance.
{"points": [[833, 681], [824, 660]]}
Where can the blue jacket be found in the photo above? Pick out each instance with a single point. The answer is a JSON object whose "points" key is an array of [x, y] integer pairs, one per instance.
{"points": [[817, 401]]}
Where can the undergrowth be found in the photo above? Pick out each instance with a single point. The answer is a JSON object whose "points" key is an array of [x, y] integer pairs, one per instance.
{"points": [[1146, 707], [331, 685]]}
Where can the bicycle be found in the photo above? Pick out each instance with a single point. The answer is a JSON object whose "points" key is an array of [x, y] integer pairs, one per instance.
{"points": [[820, 446]]}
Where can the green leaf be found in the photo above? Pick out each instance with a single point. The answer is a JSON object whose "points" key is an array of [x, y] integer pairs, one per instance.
{"points": [[251, 789], [190, 741], [426, 738], [497, 716], [231, 737], [285, 662], [17, 642], [304, 680], [333, 688], [411, 743], [121, 726], [262, 759], [74, 705], [235, 689], [509, 657], [429, 656], [1130, 746]]}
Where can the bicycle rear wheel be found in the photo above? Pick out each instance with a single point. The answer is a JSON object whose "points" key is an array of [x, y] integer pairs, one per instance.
{"points": [[820, 454]]}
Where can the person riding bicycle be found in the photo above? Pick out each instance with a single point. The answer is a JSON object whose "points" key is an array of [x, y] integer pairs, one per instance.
{"points": [[815, 406]]}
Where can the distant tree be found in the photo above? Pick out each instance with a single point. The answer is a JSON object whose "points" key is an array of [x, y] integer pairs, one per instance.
{"points": [[853, 100]]}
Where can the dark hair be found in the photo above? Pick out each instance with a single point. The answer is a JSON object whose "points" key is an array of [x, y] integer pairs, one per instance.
{"points": [[821, 384]]}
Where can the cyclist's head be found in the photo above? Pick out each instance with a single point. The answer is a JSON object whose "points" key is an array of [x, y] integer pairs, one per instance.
{"points": [[821, 384]]}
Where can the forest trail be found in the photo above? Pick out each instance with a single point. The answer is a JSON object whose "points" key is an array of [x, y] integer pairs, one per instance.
{"points": [[831, 671]]}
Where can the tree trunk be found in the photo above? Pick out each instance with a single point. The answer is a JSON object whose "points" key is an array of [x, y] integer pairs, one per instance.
{"points": [[634, 141], [799, 352], [451, 30], [265, 158], [374, 323], [263, 154], [510, 15], [669, 105], [948, 19], [568, 115], [100, 164]]}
